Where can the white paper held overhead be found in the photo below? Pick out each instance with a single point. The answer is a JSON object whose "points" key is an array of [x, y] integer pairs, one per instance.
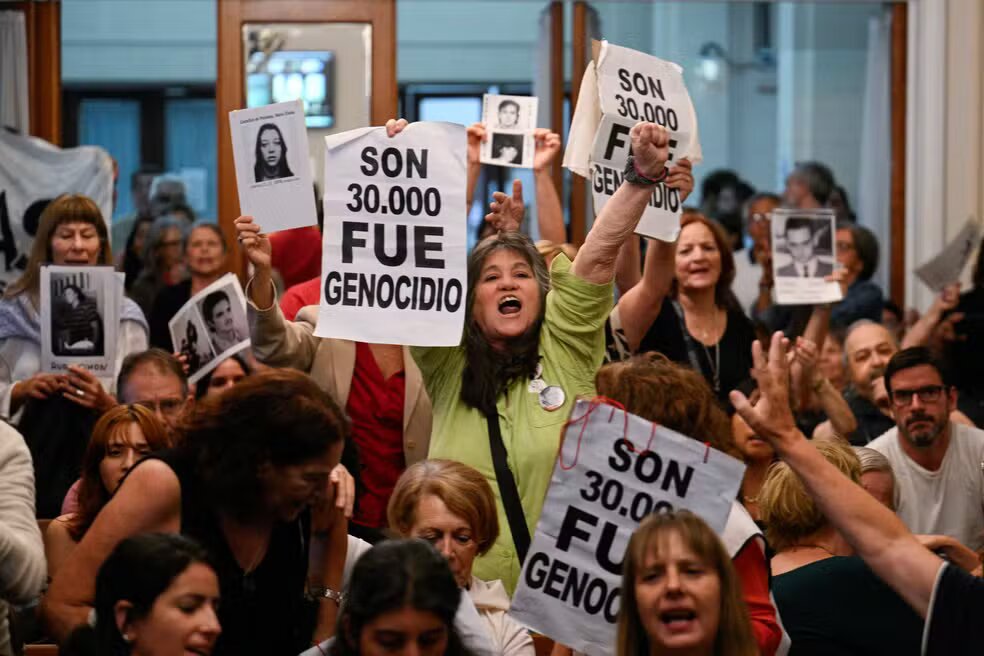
{"points": [[393, 260]]}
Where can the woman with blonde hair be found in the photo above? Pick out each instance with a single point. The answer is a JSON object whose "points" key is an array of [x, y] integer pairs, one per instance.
{"points": [[680, 593], [830, 601], [119, 439], [451, 505]]}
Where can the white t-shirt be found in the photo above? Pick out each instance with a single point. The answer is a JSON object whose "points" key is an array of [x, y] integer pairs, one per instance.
{"points": [[949, 501]]}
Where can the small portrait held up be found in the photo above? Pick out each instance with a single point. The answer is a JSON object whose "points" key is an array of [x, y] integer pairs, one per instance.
{"points": [[79, 315], [510, 121], [273, 170], [211, 326], [804, 256]]}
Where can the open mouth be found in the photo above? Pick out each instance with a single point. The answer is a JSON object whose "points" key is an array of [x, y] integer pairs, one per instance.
{"points": [[509, 305], [678, 619], [199, 651]]}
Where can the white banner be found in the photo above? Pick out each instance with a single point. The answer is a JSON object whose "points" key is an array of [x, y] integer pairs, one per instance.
{"points": [[32, 174], [630, 87], [804, 252], [273, 170], [211, 326], [394, 258], [947, 266], [80, 316], [613, 470]]}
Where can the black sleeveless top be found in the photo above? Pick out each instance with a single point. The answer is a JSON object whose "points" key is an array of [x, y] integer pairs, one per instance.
{"points": [[731, 356], [266, 611]]}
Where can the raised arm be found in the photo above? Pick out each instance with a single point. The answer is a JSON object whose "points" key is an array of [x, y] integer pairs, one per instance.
{"points": [[640, 303], [639, 307], [549, 213], [476, 135], [922, 331], [276, 341], [595, 261], [877, 535]]}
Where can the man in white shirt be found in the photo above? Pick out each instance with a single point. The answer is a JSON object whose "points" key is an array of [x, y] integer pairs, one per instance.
{"points": [[938, 465]]}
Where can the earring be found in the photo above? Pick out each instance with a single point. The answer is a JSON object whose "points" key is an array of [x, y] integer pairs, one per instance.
{"points": [[127, 638]]}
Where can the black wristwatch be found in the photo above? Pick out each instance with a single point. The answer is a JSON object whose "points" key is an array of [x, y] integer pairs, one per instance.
{"points": [[633, 175]]}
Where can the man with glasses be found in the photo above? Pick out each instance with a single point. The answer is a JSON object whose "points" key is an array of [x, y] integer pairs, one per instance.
{"points": [[156, 380], [938, 464]]}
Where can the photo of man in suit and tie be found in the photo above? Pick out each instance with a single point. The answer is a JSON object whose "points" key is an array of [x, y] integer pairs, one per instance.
{"points": [[804, 237]]}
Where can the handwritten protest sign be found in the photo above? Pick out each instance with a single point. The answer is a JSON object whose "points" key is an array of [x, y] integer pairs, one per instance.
{"points": [[804, 252], [947, 266], [393, 262], [273, 169], [80, 316], [614, 469], [623, 88]]}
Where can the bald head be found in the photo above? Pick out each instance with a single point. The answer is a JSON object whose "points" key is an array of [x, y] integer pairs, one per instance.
{"points": [[867, 348]]}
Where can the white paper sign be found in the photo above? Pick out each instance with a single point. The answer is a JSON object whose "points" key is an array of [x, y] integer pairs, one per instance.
{"points": [[393, 262], [80, 317], [211, 326], [632, 87], [804, 251], [273, 170], [946, 267], [614, 469], [509, 122]]}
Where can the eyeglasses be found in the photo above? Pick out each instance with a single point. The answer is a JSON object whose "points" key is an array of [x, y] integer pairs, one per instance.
{"points": [[928, 394]]}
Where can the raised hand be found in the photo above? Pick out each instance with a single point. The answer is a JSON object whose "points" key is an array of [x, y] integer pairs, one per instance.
{"points": [[476, 137], [395, 126], [651, 147], [771, 417], [506, 213], [547, 146], [681, 177], [256, 245]]}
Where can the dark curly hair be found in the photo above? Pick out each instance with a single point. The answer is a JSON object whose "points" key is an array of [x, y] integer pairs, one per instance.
{"points": [[278, 416]]}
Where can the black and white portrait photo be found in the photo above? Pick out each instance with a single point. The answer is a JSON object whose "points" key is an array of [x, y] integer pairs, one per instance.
{"points": [[808, 243], [224, 315], [507, 148], [211, 326], [273, 165], [508, 114], [193, 343], [80, 309], [509, 123], [77, 326], [270, 154], [804, 256]]}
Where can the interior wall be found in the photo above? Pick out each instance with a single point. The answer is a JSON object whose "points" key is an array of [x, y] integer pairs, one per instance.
{"points": [[467, 40], [141, 41]]}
